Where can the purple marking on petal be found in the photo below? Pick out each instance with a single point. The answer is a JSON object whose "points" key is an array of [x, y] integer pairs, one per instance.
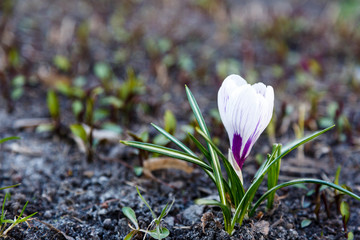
{"points": [[245, 151], [236, 148]]}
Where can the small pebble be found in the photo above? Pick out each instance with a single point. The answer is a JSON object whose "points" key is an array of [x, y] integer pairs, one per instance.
{"points": [[108, 224], [293, 234], [103, 180], [47, 214], [193, 213], [102, 211], [169, 221]]}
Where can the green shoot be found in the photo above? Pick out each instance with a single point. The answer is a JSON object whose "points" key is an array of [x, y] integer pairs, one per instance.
{"points": [[158, 232], [4, 230]]}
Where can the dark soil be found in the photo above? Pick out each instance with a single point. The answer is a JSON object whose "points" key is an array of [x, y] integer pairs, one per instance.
{"points": [[308, 53]]}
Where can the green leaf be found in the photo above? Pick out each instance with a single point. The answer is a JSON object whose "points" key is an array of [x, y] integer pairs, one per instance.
{"points": [[78, 130], [131, 234], [164, 232], [17, 93], [167, 152], [169, 122], [226, 211], [337, 175], [80, 81], [288, 148], [166, 210], [77, 107], [299, 181], [305, 223], [89, 112], [112, 101], [350, 236], [70, 91], [237, 191], [53, 104], [62, 63], [130, 214], [20, 219], [102, 70], [273, 175], [8, 139], [202, 149], [100, 114], [345, 211], [24, 219], [138, 170], [2, 217], [18, 81], [12, 186], [174, 140], [215, 160], [146, 203], [245, 202], [183, 147], [242, 208]]}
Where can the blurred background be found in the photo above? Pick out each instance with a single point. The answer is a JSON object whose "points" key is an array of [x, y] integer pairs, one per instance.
{"points": [[95, 71], [141, 53]]}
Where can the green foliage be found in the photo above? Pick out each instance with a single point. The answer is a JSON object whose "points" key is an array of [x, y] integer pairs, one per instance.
{"points": [[305, 223], [169, 122], [4, 230], [53, 105], [273, 174], [62, 63], [8, 139], [103, 71], [77, 108], [79, 131], [231, 191], [17, 83], [73, 91], [131, 87], [158, 232], [14, 57], [345, 212]]}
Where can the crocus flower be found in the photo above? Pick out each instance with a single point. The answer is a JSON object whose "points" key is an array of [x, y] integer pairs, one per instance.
{"points": [[245, 111]]}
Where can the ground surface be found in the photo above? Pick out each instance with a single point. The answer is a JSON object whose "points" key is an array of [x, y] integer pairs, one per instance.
{"points": [[309, 52]]}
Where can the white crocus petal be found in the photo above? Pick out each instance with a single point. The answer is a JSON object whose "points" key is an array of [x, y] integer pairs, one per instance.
{"points": [[235, 165], [245, 110]]}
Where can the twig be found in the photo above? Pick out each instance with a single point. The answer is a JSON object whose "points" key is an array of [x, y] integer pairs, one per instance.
{"points": [[55, 229]]}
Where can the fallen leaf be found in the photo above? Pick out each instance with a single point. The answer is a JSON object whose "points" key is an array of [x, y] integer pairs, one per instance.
{"points": [[31, 122], [16, 148], [153, 164], [263, 227], [103, 134]]}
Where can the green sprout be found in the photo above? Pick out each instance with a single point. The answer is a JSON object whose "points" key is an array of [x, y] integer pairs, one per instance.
{"points": [[236, 202], [62, 63], [53, 105], [4, 230], [78, 129], [17, 83], [158, 232]]}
